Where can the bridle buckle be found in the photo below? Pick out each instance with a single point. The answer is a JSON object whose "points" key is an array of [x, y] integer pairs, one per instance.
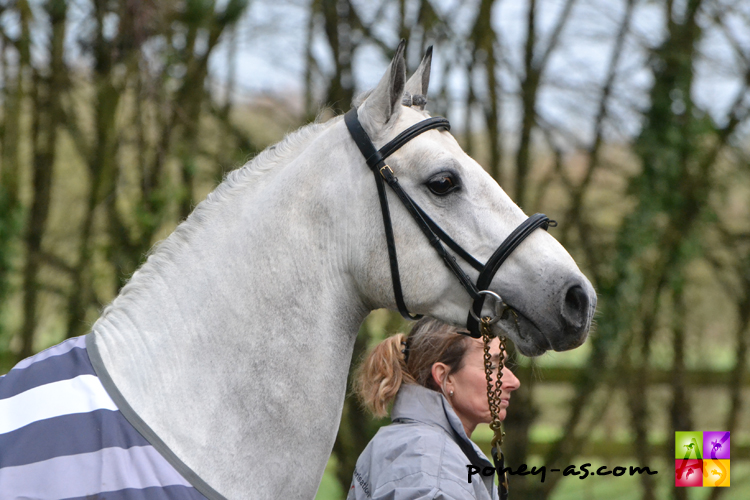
{"points": [[389, 170]]}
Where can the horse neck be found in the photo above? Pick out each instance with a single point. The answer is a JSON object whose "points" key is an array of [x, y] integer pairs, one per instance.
{"points": [[247, 312], [251, 258]]}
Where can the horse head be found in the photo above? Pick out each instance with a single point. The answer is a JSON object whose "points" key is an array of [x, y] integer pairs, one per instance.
{"points": [[550, 303]]}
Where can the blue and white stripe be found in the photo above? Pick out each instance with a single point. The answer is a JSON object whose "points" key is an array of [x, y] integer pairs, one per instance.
{"points": [[63, 438]]}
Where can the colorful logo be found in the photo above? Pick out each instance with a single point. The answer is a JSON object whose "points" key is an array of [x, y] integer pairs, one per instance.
{"points": [[701, 458]]}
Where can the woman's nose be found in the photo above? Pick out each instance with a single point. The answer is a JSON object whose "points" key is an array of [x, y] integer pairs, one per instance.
{"points": [[509, 380]]}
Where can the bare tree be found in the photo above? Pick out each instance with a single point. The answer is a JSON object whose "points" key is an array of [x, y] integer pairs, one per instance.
{"points": [[47, 86]]}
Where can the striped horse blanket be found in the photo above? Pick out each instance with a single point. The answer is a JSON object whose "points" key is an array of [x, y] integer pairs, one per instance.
{"points": [[63, 437]]}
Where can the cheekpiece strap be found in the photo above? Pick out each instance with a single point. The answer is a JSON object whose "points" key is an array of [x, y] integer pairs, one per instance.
{"points": [[362, 140], [383, 173]]}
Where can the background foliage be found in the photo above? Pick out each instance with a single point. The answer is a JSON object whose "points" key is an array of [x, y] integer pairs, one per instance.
{"points": [[627, 121]]}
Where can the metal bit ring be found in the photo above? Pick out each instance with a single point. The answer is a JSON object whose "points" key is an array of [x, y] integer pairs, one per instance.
{"points": [[500, 306]]}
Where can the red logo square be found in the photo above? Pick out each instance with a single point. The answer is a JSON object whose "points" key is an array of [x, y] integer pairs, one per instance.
{"points": [[688, 472]]}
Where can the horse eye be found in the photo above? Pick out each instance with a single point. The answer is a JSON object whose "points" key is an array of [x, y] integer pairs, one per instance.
{"points": [[442, 184]]}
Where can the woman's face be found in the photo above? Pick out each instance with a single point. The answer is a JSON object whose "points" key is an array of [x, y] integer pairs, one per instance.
{"points": [[469, 386]]}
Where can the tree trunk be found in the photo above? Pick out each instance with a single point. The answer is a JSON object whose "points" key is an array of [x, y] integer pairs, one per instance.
{"points": [[47, 118]]}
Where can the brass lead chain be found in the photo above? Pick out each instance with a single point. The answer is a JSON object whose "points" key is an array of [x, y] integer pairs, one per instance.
{"points": [[493, 393]]}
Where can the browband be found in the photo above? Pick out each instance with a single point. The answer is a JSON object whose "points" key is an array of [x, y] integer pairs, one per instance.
{"points": [[376, 158]]}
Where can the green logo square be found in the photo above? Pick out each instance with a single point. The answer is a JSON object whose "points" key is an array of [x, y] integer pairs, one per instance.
{"points": [[688, 445]]}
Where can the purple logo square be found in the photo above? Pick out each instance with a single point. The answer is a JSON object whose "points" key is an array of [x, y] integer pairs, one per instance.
{"points": [[716, 444]]}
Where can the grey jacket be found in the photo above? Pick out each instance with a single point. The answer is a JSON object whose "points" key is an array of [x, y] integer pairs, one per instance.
{"points": [[423, 454]]}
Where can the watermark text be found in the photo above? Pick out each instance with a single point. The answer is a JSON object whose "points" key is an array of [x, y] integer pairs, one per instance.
{"points": [[582, 471]]}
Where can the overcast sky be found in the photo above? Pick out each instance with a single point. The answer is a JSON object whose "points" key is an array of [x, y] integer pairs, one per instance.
{"points": [[271, 54]]}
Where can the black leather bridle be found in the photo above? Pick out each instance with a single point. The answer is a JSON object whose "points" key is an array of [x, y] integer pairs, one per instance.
{"points": [[383, 173]]}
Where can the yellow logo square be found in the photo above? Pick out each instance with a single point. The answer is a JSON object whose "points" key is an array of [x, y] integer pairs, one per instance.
{"points": [[716, 472]]}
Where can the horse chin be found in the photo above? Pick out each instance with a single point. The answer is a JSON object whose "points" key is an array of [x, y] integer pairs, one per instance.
{"points": [[531, 341], [528, 338]]}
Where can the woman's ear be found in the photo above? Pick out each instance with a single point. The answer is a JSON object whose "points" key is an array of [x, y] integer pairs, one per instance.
{"points": [[439, 374]]}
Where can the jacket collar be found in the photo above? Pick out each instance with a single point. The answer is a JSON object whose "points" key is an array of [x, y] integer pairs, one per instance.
{"points": [[424, 405], [414, 402]]}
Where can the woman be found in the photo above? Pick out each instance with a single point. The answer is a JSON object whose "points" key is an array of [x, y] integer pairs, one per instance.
{"points": [[437, 378]]}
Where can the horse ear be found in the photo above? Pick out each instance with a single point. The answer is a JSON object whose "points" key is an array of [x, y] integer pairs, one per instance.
{"points": [[420, 80], [384, 102]]}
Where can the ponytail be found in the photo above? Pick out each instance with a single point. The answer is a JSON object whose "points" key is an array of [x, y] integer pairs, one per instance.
{"points": [[380, 376]]}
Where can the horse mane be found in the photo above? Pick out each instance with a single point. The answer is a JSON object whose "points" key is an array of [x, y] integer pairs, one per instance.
{"points": [[235, 182]]}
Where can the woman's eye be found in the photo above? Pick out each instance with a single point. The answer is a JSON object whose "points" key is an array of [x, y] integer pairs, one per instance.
{"points": [[442, 184]]}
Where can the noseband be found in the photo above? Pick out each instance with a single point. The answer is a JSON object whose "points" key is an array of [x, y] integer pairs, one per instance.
{"points": [[436, 236]]}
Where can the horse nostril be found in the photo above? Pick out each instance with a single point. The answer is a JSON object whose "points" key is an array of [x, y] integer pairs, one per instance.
{"points": [[576, 306]]}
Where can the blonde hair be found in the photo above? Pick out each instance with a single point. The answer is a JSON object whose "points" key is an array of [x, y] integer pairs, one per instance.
{"points": [[400, 359]]}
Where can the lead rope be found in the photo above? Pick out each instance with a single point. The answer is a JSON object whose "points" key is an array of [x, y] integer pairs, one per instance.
{"points": [[494, 401]]}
